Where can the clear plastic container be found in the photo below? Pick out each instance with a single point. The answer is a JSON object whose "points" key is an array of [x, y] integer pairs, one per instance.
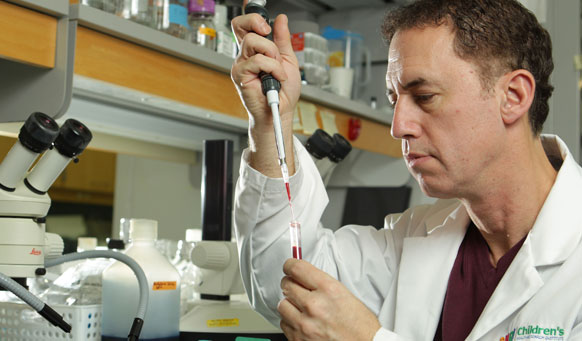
{"points": [[121, 292], [202, 29], [225, 43]]}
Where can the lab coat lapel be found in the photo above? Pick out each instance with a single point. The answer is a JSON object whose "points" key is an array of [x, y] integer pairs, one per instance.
{"points": [[428, 259], [518, 285], [557, 225]]}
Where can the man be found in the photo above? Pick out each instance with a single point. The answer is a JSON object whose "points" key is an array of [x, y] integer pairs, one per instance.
{"points": [[497, 258]]}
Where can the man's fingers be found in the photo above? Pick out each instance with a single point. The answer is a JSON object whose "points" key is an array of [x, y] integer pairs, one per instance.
{"points": [[295, 293], [305, 273], [254, 44], [288, 310], [247, 70], [244, 24]]}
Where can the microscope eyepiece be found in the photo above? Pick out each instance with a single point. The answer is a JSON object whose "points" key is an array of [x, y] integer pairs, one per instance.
{"points": [[341, 148], [74, 136], [38, 132]]}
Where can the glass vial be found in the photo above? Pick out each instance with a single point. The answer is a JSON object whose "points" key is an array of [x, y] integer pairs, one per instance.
{"points": [[202, 30], [295, 238]]}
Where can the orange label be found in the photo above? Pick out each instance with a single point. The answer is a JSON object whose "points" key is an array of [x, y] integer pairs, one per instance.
{"points": [[207, 31], [171, 285]]}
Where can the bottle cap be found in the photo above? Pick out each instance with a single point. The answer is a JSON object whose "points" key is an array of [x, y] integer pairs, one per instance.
{"points": [[143, 229], [86, 243], [115, 244], [201, 6], [193, 235]]}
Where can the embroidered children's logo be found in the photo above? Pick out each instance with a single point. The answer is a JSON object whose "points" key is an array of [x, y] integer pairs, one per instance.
{"points": [[536, 332]]}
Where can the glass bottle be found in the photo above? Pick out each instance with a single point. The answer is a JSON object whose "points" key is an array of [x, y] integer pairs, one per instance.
{"points": [[202, 30], [140, 11], [93, 3], [171, 16]]}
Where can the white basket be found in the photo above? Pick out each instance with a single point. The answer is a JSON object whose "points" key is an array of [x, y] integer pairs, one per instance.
{"points": [[19, 322]]}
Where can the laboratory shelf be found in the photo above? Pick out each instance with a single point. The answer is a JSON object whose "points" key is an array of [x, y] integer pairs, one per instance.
{"points": [[53, 7], [36, 48], [145, 36], [140, 34]]}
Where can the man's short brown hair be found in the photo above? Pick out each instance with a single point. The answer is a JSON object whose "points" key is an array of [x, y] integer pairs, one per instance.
{"points": [[497, 35]]}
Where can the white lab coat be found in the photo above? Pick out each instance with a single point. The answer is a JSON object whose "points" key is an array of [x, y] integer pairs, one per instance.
{"points": [[401, 272]]}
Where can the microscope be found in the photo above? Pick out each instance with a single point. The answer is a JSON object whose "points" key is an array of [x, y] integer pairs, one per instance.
{"points": [[24, 203]]}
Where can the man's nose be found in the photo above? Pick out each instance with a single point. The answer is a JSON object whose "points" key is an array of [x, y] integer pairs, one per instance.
{"points": [[405, 123]]}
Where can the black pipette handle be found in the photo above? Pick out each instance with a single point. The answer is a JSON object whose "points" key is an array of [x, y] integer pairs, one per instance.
{"points": [[267, 80]]}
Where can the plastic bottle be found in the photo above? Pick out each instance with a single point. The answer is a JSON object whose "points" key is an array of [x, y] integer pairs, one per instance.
{"points": [[121, 293], [203, 32], [225, 43]]}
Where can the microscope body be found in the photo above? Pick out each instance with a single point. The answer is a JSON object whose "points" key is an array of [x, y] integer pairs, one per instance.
{"points": [[24, 203], [24, 243]]}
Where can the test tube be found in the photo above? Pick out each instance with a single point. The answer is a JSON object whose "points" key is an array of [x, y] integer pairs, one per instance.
{"points": [[295, 234]]}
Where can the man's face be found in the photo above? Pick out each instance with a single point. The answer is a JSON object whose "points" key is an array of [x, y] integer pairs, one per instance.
{"points": [[451, 128]]}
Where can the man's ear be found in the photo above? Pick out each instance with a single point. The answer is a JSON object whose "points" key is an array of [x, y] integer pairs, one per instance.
{"points": [[519, 90]]}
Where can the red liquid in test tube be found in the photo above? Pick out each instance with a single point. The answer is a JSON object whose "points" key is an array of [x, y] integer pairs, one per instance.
{"points": [[295, 237]]}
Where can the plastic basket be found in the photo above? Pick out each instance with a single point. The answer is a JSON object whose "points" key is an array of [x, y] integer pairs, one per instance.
{"points": [[19, 322]]}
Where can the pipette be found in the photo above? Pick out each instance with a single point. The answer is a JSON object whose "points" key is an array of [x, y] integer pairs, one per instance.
{"points": [[271, 87]]}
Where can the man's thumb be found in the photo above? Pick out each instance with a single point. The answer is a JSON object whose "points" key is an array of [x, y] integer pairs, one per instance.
{"points": [[281, 35]]}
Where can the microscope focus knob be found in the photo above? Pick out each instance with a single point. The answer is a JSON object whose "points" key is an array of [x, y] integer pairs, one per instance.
{"points": [[212, 255], [53, 245]]}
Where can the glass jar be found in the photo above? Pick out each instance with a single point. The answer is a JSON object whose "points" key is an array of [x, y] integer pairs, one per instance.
{"points": [[202, 30]]}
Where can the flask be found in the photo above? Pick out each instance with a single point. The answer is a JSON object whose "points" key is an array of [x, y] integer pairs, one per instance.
{"points": [[202, 30], [121, 292]]}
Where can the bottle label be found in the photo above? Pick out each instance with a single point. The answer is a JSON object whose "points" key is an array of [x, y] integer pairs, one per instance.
{"points": [[169, 285], [178, 15], [207, 31]]}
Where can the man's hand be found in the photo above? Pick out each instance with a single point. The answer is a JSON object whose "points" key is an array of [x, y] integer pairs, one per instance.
{"points": [[318, 307], [277, 58]]}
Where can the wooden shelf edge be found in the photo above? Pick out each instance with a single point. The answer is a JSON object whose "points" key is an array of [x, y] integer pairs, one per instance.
{"points": [[27, 36]]}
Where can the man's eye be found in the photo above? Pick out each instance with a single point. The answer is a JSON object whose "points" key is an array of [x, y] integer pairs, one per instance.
{"points": [[422, 99]]}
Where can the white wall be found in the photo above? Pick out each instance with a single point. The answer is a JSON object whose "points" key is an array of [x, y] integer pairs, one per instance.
{"points": [[563, 23], [168, 192], [159, 190]]}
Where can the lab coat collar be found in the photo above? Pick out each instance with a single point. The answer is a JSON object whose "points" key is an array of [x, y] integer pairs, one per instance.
{"points": [[558, 229], [553, 237], [431, 257]]}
